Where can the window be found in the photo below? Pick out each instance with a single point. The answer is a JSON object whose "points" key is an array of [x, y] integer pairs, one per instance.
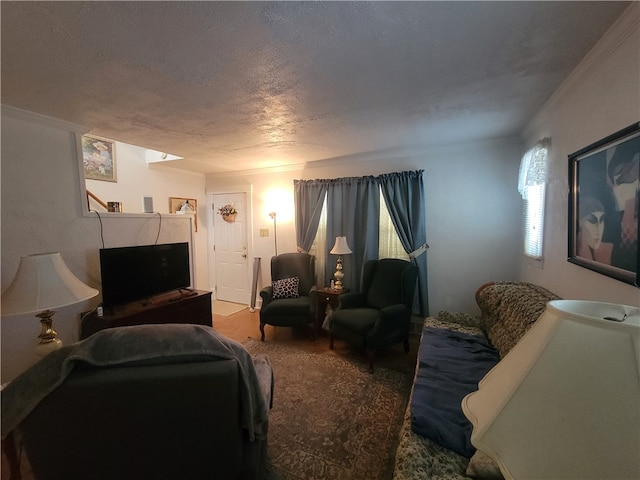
{"points": [[389, 242], [532, 186]]}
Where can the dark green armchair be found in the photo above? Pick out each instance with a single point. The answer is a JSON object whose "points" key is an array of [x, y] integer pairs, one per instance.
{"points": [[380, 314], [289, 301]]}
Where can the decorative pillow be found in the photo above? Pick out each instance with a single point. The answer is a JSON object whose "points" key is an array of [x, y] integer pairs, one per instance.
{"points": [[482, 467], [285, 288]]}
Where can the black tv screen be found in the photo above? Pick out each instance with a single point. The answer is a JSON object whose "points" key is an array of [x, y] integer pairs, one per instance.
{"points": [[136, 273]]}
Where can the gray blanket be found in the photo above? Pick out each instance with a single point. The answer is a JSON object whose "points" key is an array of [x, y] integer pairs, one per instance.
{"points": [[168, 343]]}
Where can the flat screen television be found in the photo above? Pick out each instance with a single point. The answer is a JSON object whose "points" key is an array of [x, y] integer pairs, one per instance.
{"points": [[137, 273]]}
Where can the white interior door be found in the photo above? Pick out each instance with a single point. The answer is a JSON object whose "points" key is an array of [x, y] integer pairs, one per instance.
{"points": [[231, 269]]}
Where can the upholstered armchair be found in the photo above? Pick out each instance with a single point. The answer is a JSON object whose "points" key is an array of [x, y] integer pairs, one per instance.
{"points": [[380, 314], [289, 301]]}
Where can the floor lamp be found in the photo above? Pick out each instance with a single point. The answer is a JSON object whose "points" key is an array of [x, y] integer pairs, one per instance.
{"points": [[275, 232]]}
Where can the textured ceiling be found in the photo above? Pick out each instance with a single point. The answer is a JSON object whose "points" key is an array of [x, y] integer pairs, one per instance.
{"points": [[243, 85]]}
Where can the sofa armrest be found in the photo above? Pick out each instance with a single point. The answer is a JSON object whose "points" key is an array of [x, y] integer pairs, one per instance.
{"points": [[509, 309], [434, 322], [460, 318]]}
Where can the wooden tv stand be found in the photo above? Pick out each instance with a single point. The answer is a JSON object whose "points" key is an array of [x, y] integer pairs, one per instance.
{"points": [[186, 306]]}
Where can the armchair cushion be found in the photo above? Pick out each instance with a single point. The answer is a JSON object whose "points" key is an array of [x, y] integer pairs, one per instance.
{"points": [[298, 306], [286, 288], [362, 320]]}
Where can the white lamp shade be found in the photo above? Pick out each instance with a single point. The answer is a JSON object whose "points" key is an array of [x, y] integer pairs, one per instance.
{"points": [[564, 403], [43, 281], [341, 247]]}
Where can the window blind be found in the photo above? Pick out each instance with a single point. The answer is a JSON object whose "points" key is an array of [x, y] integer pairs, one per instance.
{"points": [[532, 184]]}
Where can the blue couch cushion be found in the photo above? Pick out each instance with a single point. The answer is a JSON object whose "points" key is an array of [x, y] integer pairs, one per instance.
{"points": [[450, 365]]}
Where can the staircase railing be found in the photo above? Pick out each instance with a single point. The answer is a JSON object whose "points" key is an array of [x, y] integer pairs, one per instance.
{"points": [[91, 195]]}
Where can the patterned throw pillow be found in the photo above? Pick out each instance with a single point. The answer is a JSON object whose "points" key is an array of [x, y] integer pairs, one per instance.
{"points": [[286, 288]]}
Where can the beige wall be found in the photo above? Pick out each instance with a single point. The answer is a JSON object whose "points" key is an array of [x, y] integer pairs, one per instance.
{"points": [[472, 210], [136, 180], [472, 203], [42, 212], [601, 97]]}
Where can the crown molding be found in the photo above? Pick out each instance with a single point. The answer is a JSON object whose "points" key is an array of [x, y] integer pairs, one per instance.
{"points": [[32, 117], [625, 26]]}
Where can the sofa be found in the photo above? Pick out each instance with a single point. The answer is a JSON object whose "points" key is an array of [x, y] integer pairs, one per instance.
{"points": [[456, 350], [143, 402]]}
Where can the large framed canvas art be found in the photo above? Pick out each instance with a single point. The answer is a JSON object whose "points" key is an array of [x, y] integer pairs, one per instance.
{"points": [[604, 200]]}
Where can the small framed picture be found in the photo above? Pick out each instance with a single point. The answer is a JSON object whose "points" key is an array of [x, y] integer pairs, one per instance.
{"points": [[604, 200], [184, 206], [99, 158]]}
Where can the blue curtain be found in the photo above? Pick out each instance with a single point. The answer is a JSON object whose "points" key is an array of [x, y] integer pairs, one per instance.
{"points": [[353, 206], [309, 198], [403, 194], [353, 211]]}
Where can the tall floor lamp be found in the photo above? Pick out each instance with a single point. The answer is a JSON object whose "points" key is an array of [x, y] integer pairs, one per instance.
{"points": [[275, 233], [44, 282]]}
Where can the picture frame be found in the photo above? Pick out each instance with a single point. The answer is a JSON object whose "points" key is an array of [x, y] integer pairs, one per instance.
{"points": [[99, 158], [185, 206], [604, 200]]}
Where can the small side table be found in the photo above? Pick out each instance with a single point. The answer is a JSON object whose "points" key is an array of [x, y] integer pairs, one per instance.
{"points": [[324, 297]]}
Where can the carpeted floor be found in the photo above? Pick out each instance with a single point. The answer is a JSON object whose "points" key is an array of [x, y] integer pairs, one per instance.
{"points": [[331, 419]]}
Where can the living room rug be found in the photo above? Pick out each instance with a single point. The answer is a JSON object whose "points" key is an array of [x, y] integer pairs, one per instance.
{"points": [[331, 419], [225, 309]]}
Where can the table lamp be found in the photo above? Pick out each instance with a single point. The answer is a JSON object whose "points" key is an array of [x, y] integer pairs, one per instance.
{"points": [[564, 403], [43, 282], [340, 248]]}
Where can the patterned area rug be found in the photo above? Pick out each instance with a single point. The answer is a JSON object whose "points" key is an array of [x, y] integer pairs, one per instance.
{"points": [[331, 419]]}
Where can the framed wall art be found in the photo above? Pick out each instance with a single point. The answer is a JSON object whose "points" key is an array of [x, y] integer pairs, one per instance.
{"points": [[99, 158], [184, 206], [604, 200]]}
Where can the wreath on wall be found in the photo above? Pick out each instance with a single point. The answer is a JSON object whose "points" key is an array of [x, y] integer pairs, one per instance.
{"points": [[228, 213]]}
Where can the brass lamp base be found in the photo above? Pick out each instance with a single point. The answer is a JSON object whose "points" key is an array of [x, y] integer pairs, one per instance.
{"points": [[338, 275], [48, 340]]}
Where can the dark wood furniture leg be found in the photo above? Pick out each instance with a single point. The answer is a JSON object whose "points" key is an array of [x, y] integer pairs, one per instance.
{"points": [[10, 450]]}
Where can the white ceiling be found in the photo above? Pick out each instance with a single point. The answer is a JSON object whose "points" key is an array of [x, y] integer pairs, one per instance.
{"points": [[244, 85]]}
